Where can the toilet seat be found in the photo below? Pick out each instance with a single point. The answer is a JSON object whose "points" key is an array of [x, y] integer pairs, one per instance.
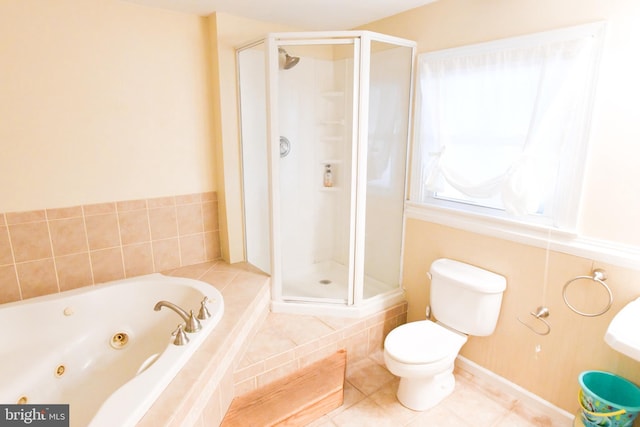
{"points": [[422, 342]]}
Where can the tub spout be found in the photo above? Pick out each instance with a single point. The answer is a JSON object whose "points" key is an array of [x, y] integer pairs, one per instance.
{"points": [[191, 323]]}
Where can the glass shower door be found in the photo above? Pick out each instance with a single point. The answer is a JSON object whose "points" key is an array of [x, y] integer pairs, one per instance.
{"points": [[389, 92], [255, 169], [315, 108]]}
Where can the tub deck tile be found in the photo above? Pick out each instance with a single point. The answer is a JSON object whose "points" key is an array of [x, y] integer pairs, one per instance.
{"points": [[204, 387]]}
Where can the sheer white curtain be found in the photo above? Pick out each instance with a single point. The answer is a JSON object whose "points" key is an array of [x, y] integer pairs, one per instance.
{"points": [[498, 121]]}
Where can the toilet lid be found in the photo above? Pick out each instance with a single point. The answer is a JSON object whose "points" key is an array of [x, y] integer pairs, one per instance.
{"points": [[422, 342]]}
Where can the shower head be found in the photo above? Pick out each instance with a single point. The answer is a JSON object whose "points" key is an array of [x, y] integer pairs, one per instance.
{"points": [[289, 61]]}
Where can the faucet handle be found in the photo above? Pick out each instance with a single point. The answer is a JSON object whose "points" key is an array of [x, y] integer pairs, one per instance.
{"points": [[181, 336], [204, 313], [193, 324]]}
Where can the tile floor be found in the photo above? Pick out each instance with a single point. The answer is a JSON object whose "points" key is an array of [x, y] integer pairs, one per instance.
{"points": [[370, 400]]}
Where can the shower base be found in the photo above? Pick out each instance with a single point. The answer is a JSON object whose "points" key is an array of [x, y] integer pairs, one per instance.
{"points": [[323, 289]]}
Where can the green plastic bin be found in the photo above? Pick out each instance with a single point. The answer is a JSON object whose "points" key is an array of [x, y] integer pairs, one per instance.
{"points": [[607, 399]]}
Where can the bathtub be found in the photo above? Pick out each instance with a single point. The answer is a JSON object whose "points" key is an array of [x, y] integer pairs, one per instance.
{"points": [[101, 349]]}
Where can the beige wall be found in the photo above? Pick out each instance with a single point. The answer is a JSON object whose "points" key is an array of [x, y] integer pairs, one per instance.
{"points": [[101, 100], [575, 343], [609, 210]]}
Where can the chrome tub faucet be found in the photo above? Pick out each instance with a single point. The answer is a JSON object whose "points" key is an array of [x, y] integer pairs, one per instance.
{"points": [[192, 324]]}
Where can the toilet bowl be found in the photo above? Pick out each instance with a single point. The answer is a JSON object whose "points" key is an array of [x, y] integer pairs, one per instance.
{"points": [[422, 354], [466, 301]]}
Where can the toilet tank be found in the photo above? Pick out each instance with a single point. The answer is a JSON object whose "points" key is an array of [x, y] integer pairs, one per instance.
{"points": [[464, 297]]}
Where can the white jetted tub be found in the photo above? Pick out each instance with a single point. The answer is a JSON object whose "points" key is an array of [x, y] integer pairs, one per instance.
{"points": [[102, 349]]}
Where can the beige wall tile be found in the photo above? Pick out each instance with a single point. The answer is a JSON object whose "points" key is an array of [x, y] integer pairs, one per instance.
{"points": [[166, 254], [192, 249], [210, 216], [212, 415], [22, 217], [210, 196], [226, 390], [68, 236], [107, 265], [277, 373], [30, 241], [245, 386], [279, 359], [62, 213], [376, 338], [6, 255], [87, 242], [246, 369], [37, 278], [138, 259], [357, 345], [9, 289], [163, 222], [103, 231], [190, 219], [187, 199], [219, 279], [212, 245], [74, 271], [318, 355], [159, 202], [131, 205], [134, 227], [99, 209]]}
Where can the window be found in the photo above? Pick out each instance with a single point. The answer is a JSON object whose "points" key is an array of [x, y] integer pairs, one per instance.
{"points": [[501, 127]]}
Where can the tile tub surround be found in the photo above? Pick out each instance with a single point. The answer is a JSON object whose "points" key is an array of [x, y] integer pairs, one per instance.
{"points": [[202, 391], [54, 250]]}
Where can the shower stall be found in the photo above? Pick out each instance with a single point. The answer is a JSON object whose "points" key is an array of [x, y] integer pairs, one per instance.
{"points": [[325, 120]]}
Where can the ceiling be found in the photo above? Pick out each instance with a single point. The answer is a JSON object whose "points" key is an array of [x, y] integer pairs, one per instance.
{"points": [[300, 14]]}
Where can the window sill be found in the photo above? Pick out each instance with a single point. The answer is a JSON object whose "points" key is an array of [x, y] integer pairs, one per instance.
{"points": [[538, 236]]}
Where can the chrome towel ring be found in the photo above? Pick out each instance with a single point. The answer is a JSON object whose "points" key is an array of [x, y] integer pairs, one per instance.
{"points": [[598, 276]]}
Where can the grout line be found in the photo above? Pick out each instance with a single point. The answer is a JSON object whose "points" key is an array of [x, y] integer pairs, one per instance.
{"points": [[13, 259], [124, 271], [178, 235], [150, 242], [86, 235], [53, 254]]}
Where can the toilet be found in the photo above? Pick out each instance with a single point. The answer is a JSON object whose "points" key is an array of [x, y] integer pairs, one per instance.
{"points": [[465, 300]]}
